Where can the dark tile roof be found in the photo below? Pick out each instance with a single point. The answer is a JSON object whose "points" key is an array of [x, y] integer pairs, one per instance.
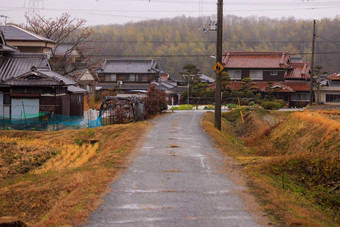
{"points": [[106, 86], [19, 63], [76, 90], [262, 60], [179, 89], [177, 78], [63, 49], [205, 78], [76, 74], [39, 77], [66, 80], [77, 70], [128, 66], [15, 33], [124, 86], [128, 86]]}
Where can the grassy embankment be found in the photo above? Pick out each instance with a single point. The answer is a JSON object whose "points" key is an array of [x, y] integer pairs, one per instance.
{"points": [[292, 160], [56, 178]]}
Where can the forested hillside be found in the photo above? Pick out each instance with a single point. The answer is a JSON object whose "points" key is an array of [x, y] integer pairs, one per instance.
{"points": [[176, 42]]}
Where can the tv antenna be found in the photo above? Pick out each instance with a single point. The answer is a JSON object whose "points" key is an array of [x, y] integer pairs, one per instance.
{"points": [[6, 17]]}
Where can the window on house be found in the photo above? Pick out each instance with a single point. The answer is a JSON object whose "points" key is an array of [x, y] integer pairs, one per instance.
{"points": [[332, 98], [7, 99], [110, 77], [132, 77], [300, 96], [335, 83], [256, 74], [235, 74], [90, 88], [60, 90], [142, 78], [274, 72]]}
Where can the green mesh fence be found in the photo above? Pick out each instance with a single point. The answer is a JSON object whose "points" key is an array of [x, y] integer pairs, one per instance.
{"points": [[47, 122]]}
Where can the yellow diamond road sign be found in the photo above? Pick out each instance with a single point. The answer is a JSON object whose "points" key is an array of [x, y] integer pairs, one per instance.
{"points": [[218, 67]]}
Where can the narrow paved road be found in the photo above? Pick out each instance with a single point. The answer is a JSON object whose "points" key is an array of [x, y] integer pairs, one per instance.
{"points": [[174, 181]]}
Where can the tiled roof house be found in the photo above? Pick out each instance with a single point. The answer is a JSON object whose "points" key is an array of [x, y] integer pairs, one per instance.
{"points": [[26, 41], [128, 75], [274, 69], [329, 92], [29, 86]]}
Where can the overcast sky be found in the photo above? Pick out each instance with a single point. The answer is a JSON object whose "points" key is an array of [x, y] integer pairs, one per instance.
{"points": [[99, 12]]}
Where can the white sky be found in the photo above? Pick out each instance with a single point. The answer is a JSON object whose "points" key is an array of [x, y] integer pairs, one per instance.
{"points": [[98, 12]]}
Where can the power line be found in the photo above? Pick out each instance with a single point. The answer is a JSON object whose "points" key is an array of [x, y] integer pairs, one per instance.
{"points": [[188, 55], [177, 11], [208, 42]]}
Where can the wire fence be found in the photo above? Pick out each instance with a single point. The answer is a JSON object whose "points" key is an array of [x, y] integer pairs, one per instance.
{"points": [[44, 118]]}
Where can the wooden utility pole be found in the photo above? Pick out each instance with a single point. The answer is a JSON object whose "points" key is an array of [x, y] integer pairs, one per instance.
{"points": [[312, 67], [218, 81]]}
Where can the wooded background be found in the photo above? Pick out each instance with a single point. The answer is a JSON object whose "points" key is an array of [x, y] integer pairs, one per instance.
{"points": [[176, 42]]}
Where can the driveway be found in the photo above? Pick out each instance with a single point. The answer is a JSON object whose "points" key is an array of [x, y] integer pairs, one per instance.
{"points": [[175, 180]]}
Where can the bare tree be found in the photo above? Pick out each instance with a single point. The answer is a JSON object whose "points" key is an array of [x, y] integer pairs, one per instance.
{"points": [[70, 35]]}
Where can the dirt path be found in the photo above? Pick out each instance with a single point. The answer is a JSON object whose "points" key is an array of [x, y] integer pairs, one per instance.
{"points": [[176, 180]]}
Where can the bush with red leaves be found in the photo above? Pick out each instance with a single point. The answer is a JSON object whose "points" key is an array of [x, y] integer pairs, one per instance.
{"points": [[155, 102]]}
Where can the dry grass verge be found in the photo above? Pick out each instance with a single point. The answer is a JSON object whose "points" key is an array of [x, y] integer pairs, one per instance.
{"points": [[292, 161], [57, 178]]}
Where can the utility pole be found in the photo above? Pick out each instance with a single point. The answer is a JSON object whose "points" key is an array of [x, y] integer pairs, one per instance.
{"points": [[218, 61], [312, 67]]}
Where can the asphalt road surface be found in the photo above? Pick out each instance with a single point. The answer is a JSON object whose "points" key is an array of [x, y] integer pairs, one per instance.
{"points": [[174, 181]]}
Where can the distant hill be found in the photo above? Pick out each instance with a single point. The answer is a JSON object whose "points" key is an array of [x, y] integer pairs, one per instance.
{"points": [[176, 42]]}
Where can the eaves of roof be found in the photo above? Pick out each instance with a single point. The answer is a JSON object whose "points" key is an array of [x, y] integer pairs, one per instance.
{"points": [[14, 33], [334, 76], [263, 60]]}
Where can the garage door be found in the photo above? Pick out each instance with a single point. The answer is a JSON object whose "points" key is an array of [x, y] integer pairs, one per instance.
{"points": [[24, 108]]}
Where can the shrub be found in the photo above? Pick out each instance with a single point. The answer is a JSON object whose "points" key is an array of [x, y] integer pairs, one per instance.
{"points": [[225, 94], [155, 102], [233, 93], [230, 106], [209, 107], [273, 105], [249, 94], [182, 107], [241, 94]]}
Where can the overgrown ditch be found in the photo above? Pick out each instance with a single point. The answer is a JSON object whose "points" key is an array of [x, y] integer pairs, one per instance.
{"points": [[293, 161]]}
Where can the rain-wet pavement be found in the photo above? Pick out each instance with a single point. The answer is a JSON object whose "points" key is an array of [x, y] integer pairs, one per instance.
{"points": [[174, 181]]}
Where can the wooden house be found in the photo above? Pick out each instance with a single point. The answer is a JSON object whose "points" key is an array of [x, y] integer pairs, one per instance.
{"points": [[288, 77], [128, 75], [329, 91], [26, 41], [28, 87]]}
